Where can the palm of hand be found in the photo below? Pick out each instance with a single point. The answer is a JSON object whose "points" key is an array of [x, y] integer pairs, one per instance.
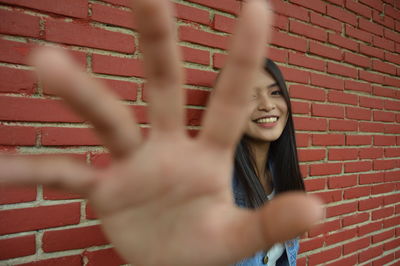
{"points": [[168, 200]]}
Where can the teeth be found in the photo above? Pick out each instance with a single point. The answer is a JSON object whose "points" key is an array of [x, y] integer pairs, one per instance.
{"points": [[266, 120]]}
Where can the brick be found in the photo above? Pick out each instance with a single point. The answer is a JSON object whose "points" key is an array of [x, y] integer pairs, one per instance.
{"points": [[372, 51], [385, 164], [311, 155], [15, 80], [17, 23], [341, 14], [392, 129], [371, 153], [103, 257], [358, 34], [29, 219], [278, 55], [74, 238], [382, 213], [352, 260], [77, 9], [356, 245], [394, 82], [359, 8], [228, 6], [17, 135], [357, 192], [324, 228], [10, 195], [325, 169], [311, 244], [303, 29], [384, 260], [391, 222], [189, 34], [328, 139], [342, 181], [299, 59], [325, 110], [392, 105], [31, 109], [384, 140], [326, 81], [290, 10], [392, 35], [385, 21], [384, 116], [341, 209], [358, 140], [343, 125], [329, 196], [74, 260], [14, 52], [67, 32], [200, 77], [123, 89], [223, 23], [337, 2], [61, 136], [340, 236], [372, 252], [371, 127], [358, 60], [118, 2], [192, 14], [376, 4], [341, 97], [324, 256], [358, 113], [386, 44], [315, 5], [369, 228], [392, 152], [119, 66], [281, 22], [338, 40], [112, 16], [383, 67], [342, 154], [361, 166], [325, 22], [302, 139], [355, 218], [392, 12], [325, 51], [196, 56], [341, 70], [295, 75], [285, 40], [17, 247], [392, 244], [357, 86], [315, 184], [300, 107], [370, 27], [383, 188], [371, 77], [369, 204], [371, 102], [314, 124], [54, 194]]}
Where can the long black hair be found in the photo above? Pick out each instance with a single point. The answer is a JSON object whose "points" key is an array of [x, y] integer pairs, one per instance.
{"points": [[282, 155]]}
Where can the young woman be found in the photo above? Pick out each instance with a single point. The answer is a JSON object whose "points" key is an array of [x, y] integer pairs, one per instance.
{"points": [[266, 161]]}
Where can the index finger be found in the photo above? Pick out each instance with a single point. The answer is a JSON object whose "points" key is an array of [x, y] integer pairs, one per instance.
{"points": [[228, 109]]}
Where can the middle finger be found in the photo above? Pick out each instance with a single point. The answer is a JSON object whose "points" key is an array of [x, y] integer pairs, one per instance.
{"points": [[162, 64]]}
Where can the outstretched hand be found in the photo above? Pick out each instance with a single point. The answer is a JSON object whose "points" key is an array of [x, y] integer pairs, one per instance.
{"points": [[168, 200]]}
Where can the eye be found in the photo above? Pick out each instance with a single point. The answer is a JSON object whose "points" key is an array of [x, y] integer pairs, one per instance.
{"points": [[276, 92]]}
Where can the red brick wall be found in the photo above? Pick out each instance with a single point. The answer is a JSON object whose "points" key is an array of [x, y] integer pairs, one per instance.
{"points": [[341, 59]]}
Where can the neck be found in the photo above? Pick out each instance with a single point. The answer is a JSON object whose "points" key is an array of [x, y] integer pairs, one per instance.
{"points": [[260, 152]]}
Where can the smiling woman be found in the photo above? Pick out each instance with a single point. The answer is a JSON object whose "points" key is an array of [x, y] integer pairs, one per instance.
{"points": [[266, 160]]}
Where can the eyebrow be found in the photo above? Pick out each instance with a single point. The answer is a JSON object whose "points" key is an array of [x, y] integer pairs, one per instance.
{"points": [[272, 85]]}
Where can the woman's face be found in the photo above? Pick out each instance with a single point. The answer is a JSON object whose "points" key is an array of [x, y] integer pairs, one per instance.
{"points": [[269, 110]]}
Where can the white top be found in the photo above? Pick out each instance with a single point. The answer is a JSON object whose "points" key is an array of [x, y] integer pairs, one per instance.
{"points": [[276, 250]]}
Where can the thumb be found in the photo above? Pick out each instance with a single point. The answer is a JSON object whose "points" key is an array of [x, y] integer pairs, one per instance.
{"points": [[285, 217]]}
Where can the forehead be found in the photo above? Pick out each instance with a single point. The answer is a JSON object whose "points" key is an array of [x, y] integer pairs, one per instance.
{"points": [[263, 79]]}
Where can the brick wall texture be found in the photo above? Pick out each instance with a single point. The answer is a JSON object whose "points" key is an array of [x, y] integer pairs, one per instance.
{"points": [[341, 59]]}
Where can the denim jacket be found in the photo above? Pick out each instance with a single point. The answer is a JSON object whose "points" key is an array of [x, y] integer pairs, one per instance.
{"points": [[291, 246]]}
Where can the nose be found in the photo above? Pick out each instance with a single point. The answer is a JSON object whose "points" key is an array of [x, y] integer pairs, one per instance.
{"points": [[265, 103]]}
